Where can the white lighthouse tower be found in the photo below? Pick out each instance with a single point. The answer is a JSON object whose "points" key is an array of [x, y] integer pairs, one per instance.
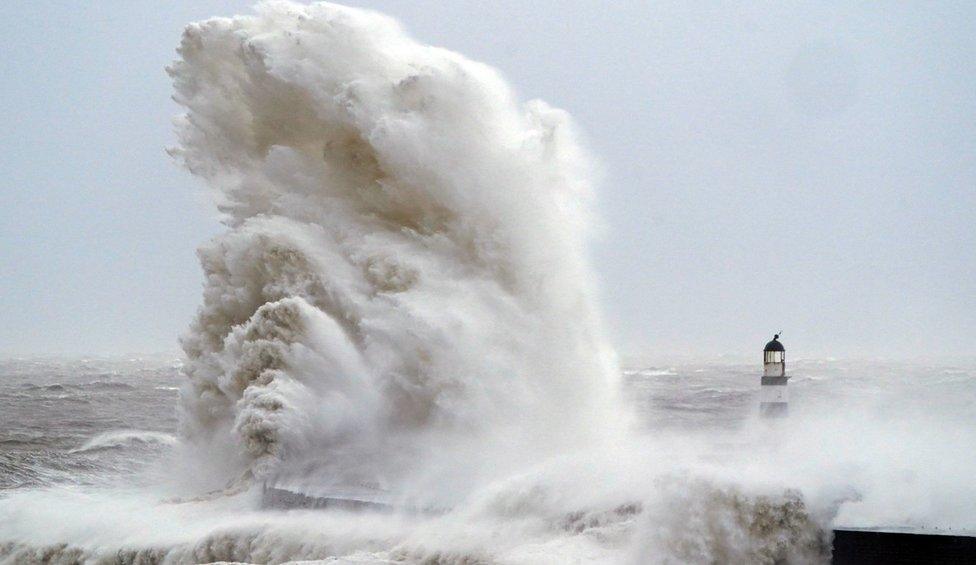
{"points": [[773, 396]]}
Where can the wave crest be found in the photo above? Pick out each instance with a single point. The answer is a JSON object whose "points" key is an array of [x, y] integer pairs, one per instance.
{"points": [[125, 438]]}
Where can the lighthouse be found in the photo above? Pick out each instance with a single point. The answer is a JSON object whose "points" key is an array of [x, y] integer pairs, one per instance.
{"points": [[773, 396]]}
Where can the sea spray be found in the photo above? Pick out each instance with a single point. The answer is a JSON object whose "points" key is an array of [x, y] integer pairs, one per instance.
{"points": [[404, 273]]}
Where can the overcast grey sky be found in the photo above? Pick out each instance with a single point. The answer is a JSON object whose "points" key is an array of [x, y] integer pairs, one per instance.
{"points": [[805, 167]]}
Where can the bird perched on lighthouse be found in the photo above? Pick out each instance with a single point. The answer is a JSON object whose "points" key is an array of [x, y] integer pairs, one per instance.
{"points": [[773, 396]]}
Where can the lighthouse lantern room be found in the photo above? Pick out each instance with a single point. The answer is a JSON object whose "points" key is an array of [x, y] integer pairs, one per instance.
{"points": [[774, 359]]}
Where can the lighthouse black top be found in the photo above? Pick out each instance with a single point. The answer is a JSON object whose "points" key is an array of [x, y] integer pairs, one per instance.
{"points": [[775, 345]]}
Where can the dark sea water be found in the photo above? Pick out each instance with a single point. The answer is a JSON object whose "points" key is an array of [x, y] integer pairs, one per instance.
{"points": [[84, 421]]}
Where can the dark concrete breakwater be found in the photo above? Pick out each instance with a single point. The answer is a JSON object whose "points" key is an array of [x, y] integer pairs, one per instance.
{"points": [[895, 546]]}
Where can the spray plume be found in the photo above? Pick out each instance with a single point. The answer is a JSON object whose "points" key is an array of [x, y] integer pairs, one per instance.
{"points": [[404, 265]]}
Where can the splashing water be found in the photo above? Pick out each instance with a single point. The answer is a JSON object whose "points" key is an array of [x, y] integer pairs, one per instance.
{"points": [[402, 302], [404, 263]]}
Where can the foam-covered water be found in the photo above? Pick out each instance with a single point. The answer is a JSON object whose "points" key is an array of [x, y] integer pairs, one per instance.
{"points": [[401, 302]]}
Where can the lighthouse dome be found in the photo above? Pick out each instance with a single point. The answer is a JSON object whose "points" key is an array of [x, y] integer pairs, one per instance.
{"points": [[774, 345]]}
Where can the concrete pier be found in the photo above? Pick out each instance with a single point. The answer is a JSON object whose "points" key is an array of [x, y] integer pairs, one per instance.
{"points": [[284, 499], [895, 546]]}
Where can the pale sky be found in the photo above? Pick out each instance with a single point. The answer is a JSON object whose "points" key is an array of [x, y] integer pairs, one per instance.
{"points": [[807, 167]]}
